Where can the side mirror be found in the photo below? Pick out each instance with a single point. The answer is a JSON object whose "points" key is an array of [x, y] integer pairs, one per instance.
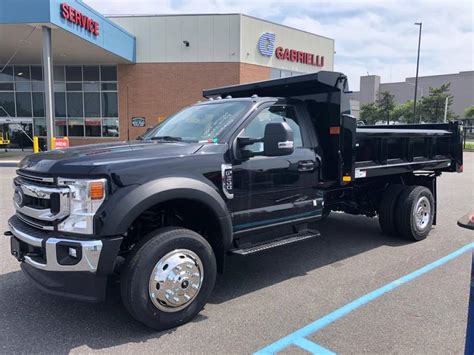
{"points": [[278, 139]]}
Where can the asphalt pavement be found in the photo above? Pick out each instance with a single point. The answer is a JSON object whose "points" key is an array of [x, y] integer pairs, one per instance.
{"points": [[263, 298]]}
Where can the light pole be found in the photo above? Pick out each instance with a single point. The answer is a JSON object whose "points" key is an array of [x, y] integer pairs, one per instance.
{"points": [[417, 66]]}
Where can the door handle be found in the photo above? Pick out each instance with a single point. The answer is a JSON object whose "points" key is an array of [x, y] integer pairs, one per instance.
{"points": [[306, 165]]}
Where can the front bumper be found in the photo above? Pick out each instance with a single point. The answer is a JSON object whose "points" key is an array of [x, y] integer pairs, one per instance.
{"points": [[71, 267]]}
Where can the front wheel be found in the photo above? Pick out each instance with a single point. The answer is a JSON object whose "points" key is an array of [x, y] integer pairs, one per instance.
{"points": [[168, 278]]}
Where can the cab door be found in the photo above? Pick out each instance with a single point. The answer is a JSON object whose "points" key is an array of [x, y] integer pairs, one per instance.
{"points": [[277, 190]]}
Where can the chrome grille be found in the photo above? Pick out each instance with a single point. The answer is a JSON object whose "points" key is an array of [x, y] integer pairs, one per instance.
{"points": [[38, 202], [36, 178]]}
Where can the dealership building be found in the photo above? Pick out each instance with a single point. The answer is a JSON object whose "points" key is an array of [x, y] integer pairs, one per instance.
{"points": [[94, 78]]}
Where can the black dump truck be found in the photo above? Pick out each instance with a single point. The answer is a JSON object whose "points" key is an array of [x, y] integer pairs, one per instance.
{"points": [[250, 168]]}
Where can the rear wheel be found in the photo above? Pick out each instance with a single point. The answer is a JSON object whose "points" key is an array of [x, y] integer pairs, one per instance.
{"points": [[415, 212], [168, 278], [387, 209]]}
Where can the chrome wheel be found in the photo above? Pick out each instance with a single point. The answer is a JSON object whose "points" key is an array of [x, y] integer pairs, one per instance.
{"points": [[422, 213], [176, 280]]}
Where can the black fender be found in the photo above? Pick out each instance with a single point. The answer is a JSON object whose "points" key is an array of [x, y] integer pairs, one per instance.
{"points": [[121, 210]]}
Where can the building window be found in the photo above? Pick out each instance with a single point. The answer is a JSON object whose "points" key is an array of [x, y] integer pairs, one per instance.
{"points": [[7, 104], [60, 127], [38, 104], [7, 74], [23, 104], [39, 126], [59, 104], [85, 97], [36, 73], [108, 73], [58, 73], [110, 127], [73, 73], [91, 73], [93, 127], [75, 127], [92, 104], [74, 104], [109, 104], [22, 73]]}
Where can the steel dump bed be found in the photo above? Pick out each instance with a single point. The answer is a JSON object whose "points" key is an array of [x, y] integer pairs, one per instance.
{"points": [[397, 149]]}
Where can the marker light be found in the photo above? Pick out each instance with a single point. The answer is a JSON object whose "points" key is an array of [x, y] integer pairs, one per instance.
{"points": [[96, 190]]}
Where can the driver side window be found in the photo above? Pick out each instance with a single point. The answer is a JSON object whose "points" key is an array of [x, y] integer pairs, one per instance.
{"points": [[276, 113]]}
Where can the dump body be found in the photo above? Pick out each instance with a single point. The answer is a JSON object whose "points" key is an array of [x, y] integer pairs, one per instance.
{"points": [[397, 149]]}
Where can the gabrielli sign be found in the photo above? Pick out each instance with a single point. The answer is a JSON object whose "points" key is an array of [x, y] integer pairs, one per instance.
{"points": [[75, 16], [299, 56], [266, 44]]}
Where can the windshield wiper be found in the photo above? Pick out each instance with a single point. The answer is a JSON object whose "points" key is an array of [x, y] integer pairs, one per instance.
{"points": [[167, 138]]}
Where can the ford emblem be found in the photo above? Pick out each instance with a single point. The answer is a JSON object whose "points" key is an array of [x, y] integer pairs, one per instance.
{"points": [[19, 197]]}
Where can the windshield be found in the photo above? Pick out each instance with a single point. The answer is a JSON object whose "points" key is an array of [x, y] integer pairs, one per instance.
{"points": [[200, 123]]}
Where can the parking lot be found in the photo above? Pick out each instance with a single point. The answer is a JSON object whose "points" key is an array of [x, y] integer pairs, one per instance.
{"points": [[266, 297]]}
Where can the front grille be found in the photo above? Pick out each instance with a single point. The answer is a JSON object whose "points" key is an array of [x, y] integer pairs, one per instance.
{"points": [[39, 179], [38, 201]]}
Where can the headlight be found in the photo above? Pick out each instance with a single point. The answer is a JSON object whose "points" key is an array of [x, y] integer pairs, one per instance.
{"points": [[85, 198]]}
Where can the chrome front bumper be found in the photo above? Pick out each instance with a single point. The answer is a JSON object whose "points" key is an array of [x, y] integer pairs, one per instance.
{"points": [[88, 250]]}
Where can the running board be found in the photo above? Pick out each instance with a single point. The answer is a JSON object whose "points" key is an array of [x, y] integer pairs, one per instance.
{"points": [[293, 238]]}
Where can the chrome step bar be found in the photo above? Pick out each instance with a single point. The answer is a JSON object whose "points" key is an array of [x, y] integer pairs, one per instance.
{"points": [[292, 238]]}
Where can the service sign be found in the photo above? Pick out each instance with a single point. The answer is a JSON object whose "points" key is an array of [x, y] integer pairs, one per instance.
{"points": [[266, 47], [138, 121], [75, 16], [60, 143]]}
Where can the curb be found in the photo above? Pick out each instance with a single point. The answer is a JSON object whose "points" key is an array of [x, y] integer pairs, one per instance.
{"points": [[9, 163]]}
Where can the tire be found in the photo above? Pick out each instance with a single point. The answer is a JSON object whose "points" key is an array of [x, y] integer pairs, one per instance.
{"points": [[387, 221], [415, 212], [161, 253]]}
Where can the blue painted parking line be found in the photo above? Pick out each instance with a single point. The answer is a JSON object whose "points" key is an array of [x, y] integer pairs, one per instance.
{"points": [[298, 337], [311, 347]]}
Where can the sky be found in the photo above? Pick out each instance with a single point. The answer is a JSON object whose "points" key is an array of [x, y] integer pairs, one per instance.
{"points": [[375, 37]]}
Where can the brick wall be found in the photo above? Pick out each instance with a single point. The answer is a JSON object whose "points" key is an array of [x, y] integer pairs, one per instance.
{"points": [[252, 72], [74, 141]]}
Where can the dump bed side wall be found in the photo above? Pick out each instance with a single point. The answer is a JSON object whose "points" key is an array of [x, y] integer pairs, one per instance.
{"points": [[383, 150]]}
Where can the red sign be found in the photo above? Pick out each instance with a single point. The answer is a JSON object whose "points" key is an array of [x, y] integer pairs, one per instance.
{"points": [[293, 55], [75, 16], [60, 143]]}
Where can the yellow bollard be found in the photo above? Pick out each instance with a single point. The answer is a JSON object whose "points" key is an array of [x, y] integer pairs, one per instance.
{"points": [[35, 144]]}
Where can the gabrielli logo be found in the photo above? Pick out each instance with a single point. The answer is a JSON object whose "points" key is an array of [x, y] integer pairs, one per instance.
{"points": [[75, 16], [266, 43], [299, 56]]}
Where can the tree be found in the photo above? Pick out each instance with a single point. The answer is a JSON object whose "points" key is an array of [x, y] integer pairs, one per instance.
{"points": [[404, 112], [385, 103], [432, 106], [370, 113], [469, 112]]}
